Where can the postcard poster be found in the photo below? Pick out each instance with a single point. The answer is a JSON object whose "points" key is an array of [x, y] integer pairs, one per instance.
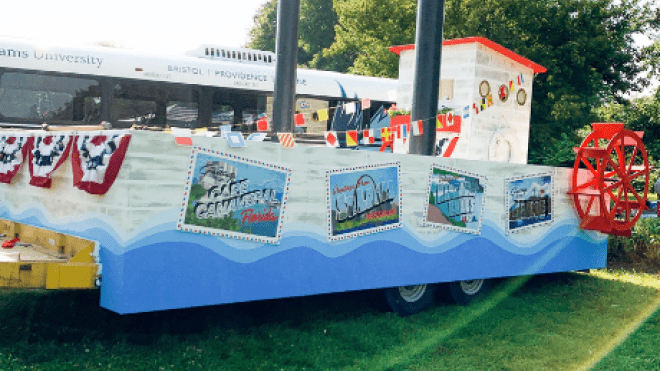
{"points": [[363, 200], [529, 201], [232, 196], [455, 200]]}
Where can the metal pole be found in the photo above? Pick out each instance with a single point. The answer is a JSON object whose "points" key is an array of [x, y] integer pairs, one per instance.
{"points": [[428, 53], [286, 49]]}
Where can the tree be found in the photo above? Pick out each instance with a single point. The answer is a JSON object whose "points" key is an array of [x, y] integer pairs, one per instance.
{"points": [[641, 114], [587, 47], [315, 28]]}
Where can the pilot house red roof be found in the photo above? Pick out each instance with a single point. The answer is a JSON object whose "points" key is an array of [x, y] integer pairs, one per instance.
{"points": [[537, 68]]}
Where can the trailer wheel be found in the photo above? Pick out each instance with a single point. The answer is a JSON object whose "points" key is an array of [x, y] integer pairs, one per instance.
{"points": [[409, 300], [464, 292]]}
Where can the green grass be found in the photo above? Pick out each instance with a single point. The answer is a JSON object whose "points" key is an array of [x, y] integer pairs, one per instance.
{"points": [[562, 321]]}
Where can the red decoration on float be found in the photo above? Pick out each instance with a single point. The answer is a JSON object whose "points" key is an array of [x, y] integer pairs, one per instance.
{"points": [[47, 154], [606, 164], [13, 149], [96, 160]]}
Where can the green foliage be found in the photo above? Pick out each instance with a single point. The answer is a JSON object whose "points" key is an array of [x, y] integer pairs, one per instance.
{"points": [[642, 247], [586, 46], [641, 114], [315, 29], [262, 35]]}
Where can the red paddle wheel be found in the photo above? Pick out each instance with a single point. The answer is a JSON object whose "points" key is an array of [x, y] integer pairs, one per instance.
{"points": [[610, 179]]}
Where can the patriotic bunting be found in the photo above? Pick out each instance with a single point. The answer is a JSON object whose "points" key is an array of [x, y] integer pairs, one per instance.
{"points": [[13, 149], [331, 139], [47, 154], [96, 158], [286, 140]]}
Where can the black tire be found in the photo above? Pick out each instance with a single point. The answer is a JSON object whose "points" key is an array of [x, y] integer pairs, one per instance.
{"points": [[465, 292], [409, 300]]}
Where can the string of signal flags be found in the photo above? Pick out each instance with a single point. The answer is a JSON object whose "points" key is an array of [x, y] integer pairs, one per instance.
{"points": [[320, 115], [400, 127]]}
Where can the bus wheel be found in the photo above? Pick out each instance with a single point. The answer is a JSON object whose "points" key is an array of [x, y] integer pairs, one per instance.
{"points": [[408, 300], [464, 292]]}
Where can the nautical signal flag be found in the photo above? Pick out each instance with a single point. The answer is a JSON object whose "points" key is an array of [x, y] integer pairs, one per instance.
{"points": [[418, 127], [351, 138], [466, 112], [476, 109], [349, 108], [367, 137], [521, 79], [323, 114], [286, 140], [511, 87], [402, 131], [366, 103], [490, 99], [331, 139], [385, 134], [300, 119], [262, 124], [182, 137]]}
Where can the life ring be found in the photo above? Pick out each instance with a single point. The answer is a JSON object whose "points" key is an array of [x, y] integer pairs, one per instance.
{"points": [[502, 146]]}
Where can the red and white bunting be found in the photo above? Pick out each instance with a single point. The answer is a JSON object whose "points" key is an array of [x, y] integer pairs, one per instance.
{"points": [[331, 139], [368, 137], [13, 149], [47, 154], [96, 158], [286, 140]]}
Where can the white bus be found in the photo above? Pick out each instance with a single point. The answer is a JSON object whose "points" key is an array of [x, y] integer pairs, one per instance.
{"points": [[206, 87]]}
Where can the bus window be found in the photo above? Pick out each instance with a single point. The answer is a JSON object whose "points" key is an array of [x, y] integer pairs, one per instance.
{"points": [[154, 104], [53, 99]]}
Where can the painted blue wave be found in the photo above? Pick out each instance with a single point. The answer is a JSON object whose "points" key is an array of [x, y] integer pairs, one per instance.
{"points": [[166, 275], [104, 230]]}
